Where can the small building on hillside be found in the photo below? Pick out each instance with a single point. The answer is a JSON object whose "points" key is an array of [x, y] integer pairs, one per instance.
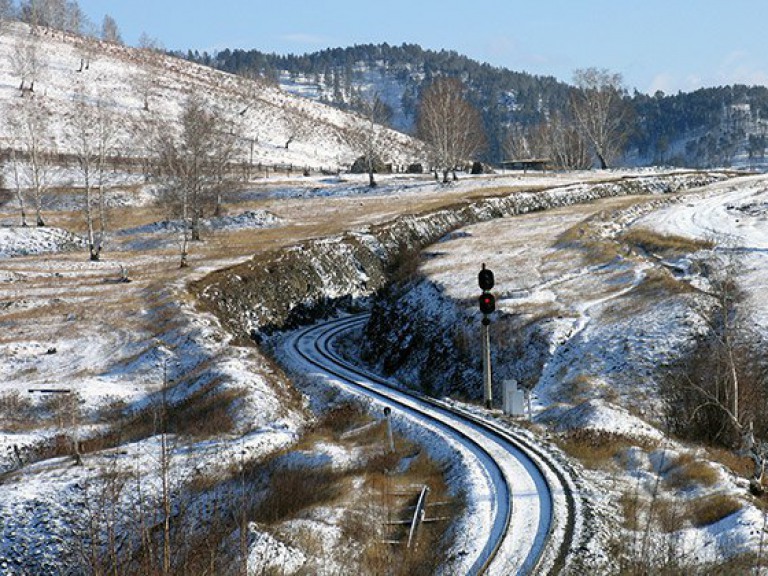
{"points": [[537, 164]]}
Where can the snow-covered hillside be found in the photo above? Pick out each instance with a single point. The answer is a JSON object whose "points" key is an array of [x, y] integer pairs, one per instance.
{"points": [[68, 68], [597, 323]]}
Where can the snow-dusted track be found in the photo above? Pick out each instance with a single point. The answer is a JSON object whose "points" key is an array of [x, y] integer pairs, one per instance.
{"points": [[534, 518]]}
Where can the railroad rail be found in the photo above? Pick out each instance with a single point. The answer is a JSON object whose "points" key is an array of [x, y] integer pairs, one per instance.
{"points": [[536, 518]]}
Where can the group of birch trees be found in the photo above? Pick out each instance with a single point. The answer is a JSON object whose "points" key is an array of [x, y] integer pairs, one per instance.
{"points": [[188, 159], [592, 130]]}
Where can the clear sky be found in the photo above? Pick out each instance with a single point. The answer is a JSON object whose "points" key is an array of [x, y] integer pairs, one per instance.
{"points": [[667, 45]]}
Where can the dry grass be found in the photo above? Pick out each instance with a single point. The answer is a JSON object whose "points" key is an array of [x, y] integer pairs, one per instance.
{"points": [[578, 388], [686, 472], [710, 509], [740, 465], [207, 413], [293, 491], [667, 244], [597, 449], [594, 449], [660, 282]]}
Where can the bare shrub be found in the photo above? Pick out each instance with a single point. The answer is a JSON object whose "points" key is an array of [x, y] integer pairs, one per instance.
{"points": [[686, 472], [206, 413], [342, 418], [711, 509], [699, 394], [16, 412], [404, 264], [596, 448], [631, 508], [293, 490], [382, 462], [655, 242], [670, 515]]}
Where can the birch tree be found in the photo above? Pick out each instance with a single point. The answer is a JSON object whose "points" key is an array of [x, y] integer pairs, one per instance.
{"points": [[29, 124], [110, 31], [95, 135], [368, 142], [600, 112], [26, 62], [566, 146], [147, 77], [18, 188], [7, 10], [194, 163], [450, 125]]}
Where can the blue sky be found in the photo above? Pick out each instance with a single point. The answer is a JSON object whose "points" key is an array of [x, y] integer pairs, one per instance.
{"points": [[667, 45]]}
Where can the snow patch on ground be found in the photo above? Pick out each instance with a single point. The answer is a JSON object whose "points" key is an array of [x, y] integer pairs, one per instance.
{"points": [[33, 240], [598, 415], [267, 554]]}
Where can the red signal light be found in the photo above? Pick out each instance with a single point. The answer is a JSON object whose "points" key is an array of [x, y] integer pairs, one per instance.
{"points": [[487, 303]]}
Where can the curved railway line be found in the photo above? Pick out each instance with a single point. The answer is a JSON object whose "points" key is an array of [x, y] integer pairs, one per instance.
{"points": [[536, 516]]}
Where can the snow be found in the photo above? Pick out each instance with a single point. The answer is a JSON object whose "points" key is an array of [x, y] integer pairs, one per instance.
{"points": [[267, 554], [72, 325], [735, 218], [29, 240], [597, 415], [606, 340]]}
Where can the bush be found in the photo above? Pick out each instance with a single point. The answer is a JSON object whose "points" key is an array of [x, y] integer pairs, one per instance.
{"points": [[595, 448], [707, 511], [360, 166], [699, 392], [294, 490], [650, 241]]}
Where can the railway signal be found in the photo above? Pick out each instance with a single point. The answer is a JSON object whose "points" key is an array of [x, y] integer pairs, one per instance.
{"points": [[485, 278], [487, 302]]}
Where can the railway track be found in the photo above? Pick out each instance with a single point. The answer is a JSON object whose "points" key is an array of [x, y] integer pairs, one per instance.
{"points": [[533, 518]]}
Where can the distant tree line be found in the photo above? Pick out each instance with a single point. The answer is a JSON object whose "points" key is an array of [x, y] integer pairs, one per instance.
{"points": [[706, 127], [64, 15]]}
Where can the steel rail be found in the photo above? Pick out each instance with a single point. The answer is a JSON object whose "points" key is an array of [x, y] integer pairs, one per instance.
{"points": [[467, 426]]}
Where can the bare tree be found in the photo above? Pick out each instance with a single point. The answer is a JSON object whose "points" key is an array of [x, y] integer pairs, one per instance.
{"points": [[194, 163], [109, 30], [224, 151], [526, 142], [298, 126], [16, 170], [600, 112], [106, 546], [718, 395], [450, 125], [95, 134], [7, 10], [75, 20], [368, 142], [26, 62], [63, 15], [248, 100], [29, 125], [568, 149], [147, 77], [149, 44]]}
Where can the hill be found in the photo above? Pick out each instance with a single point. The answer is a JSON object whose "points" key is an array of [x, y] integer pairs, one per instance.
{"points": [[142, 86], [722, 126]]}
